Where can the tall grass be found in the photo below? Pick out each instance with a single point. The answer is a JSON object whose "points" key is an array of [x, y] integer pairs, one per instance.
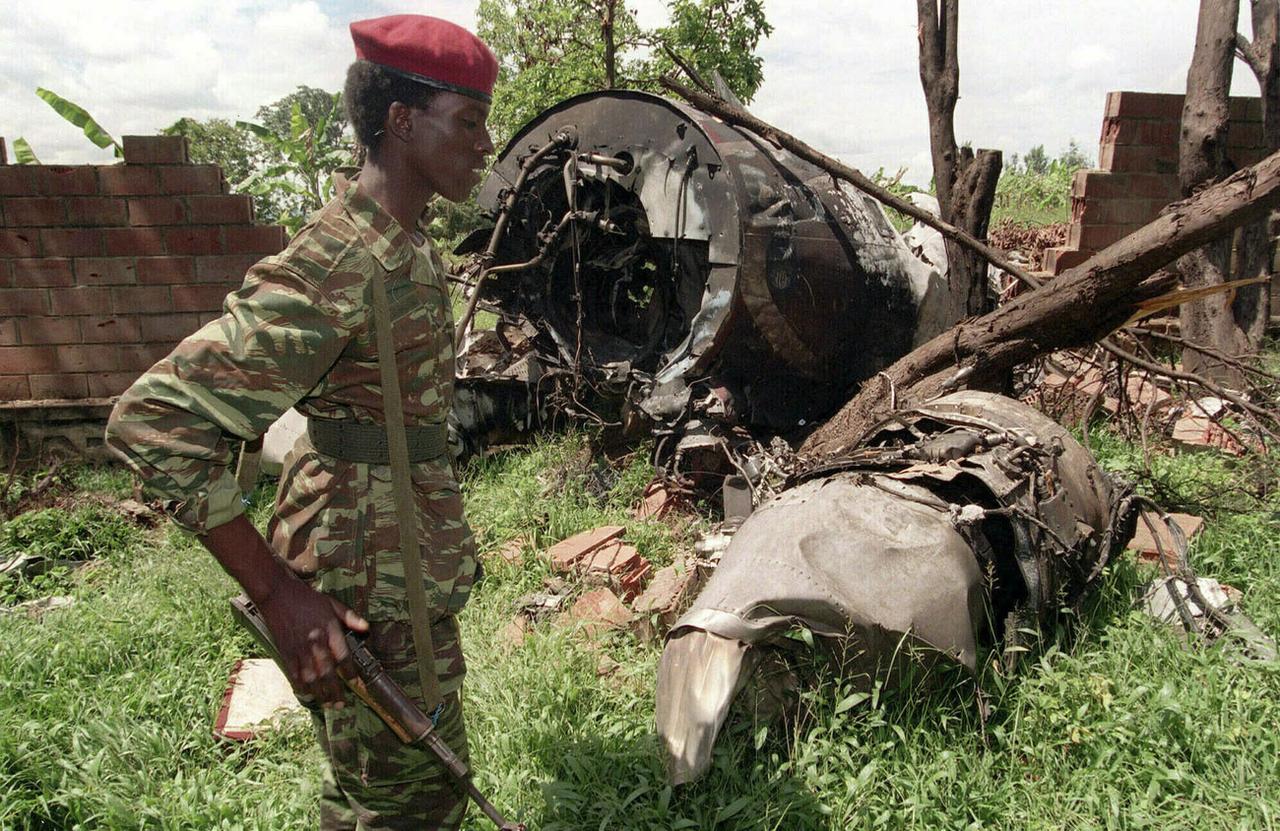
{"points": [[106, 707]]}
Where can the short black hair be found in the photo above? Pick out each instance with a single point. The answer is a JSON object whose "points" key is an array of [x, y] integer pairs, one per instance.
{"points": [[368, 94]]}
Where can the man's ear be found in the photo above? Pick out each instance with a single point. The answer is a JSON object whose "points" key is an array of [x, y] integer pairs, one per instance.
{"points": [[399, 123]]}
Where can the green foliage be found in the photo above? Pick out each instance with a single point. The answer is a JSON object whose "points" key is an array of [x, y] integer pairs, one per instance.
{"points": [[78, 116], [58, 538], [106, 708], [300, 162], [719, 35], [286, 162], [897, 187], [23, 153], [549, 50], [235, 150], [318, 106], [1036, 190]]}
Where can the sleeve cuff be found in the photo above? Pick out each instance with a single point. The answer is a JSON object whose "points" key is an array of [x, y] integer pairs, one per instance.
{"points": [[202, 513]]}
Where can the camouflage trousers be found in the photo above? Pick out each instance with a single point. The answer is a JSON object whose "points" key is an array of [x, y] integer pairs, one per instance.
{"points": [[372, 780]]}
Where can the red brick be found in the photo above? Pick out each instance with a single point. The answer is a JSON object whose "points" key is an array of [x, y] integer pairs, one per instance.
{"points": [[255, 239], [568, 553], [1144, 105], [52, 359], [6, 273], [1138, 158], [600, 560], [108, 384], [1245, 135], [1119, 211], [40, 272], [27, 211], [1160, 187], [64, 180], [214, 210], [96, 210], [35, 331], [127, 242], [155, 149], [598, 610], [1152, 131], [1245, 108], [165, 270], [197, 298], [14, 388], [67, 385], [137, 299], [167, 328], [1058, 260], [188, 179], [110, 329], [130, 180], [15, 180], [1246, 156], [226, 268], [71, 242], [157, 210], [80, 300], [9, 331], [200, 239], [105, 271], [140, 356], [1096, 237], [19, 243], [24, 301]]}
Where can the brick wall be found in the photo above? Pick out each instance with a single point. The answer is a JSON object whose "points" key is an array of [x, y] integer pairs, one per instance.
{"points": [[103, 268], [1138, 170]]}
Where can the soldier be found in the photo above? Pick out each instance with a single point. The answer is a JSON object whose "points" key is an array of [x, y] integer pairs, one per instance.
{"points": [[300, 332]]}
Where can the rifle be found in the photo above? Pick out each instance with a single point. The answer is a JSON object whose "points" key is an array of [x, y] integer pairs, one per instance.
{"points": [[386, 698]]}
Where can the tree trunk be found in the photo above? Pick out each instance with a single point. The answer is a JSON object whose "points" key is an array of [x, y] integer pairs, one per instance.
{"points": [[610, 48], [965, 181], [1202, 157], [1078, 307], [1251, 308]]}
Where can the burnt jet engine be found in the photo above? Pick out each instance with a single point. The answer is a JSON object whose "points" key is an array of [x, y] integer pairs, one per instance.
{"points": [[661, 255]]}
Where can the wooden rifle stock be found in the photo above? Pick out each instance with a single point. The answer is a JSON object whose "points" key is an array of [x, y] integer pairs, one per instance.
{"points": [[386, 698]]}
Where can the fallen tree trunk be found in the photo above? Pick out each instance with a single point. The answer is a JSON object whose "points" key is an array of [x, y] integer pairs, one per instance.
{"points": [[1081, 306]]}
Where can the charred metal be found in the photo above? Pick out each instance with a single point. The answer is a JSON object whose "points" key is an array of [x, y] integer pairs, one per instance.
{"points": [[665, 258]]}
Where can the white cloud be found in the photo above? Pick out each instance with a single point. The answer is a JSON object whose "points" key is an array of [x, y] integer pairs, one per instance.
{"points": [[842, 74]]}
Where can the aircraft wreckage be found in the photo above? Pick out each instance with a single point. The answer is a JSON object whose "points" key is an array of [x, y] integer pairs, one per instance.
{"points": [[677, 264], [715, 287]]}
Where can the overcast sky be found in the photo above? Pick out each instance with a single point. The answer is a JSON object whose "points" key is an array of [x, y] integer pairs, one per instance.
{"points": [[841, 74]]}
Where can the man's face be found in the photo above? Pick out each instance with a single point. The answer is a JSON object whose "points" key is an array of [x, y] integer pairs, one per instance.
{"points": [[450, 143]]}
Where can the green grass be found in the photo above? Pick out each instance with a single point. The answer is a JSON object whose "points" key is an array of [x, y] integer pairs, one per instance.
{"points": [[106, 707]]}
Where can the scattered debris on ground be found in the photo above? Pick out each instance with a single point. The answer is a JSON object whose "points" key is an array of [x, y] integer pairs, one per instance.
{"points": [[257, 699]]}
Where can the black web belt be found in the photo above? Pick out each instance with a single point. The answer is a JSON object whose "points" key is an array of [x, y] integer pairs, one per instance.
{"points": [[355, 441]]}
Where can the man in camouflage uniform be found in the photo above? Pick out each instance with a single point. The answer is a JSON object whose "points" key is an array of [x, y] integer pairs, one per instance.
{"points": [[299, 332]]}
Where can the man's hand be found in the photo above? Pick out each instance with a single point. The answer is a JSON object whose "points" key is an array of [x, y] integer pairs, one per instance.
{"points": [[308, 630], [306, 626]]}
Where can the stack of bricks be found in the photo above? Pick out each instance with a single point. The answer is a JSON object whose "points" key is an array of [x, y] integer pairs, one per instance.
{"points": [[1138, 175], [103, 268]]}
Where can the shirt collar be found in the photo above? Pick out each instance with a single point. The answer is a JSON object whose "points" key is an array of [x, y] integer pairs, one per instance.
{"points": [[388, 241]]}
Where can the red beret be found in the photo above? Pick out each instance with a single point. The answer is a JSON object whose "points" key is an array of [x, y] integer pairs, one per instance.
{"points": [[430, 50]]}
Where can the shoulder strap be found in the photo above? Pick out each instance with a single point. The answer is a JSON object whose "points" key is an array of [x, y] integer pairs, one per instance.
{"points": [[406, 510]]}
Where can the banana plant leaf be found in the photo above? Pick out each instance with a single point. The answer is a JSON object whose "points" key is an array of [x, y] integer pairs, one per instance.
{"points": [[79, 117]]}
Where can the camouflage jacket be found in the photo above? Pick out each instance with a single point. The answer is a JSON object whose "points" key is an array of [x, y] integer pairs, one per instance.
{"points": [[299, 332]]}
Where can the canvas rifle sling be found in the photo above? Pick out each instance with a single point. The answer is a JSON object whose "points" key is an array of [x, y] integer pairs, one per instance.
{"points": [[406, 510]]}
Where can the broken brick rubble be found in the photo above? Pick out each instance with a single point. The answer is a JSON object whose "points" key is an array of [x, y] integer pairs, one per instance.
{"points": [[567, 554], [599, 610], [1145, 545]]}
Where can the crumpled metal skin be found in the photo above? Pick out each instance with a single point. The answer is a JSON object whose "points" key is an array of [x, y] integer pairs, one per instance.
{"points": [[948, 524], [716, 260]]}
